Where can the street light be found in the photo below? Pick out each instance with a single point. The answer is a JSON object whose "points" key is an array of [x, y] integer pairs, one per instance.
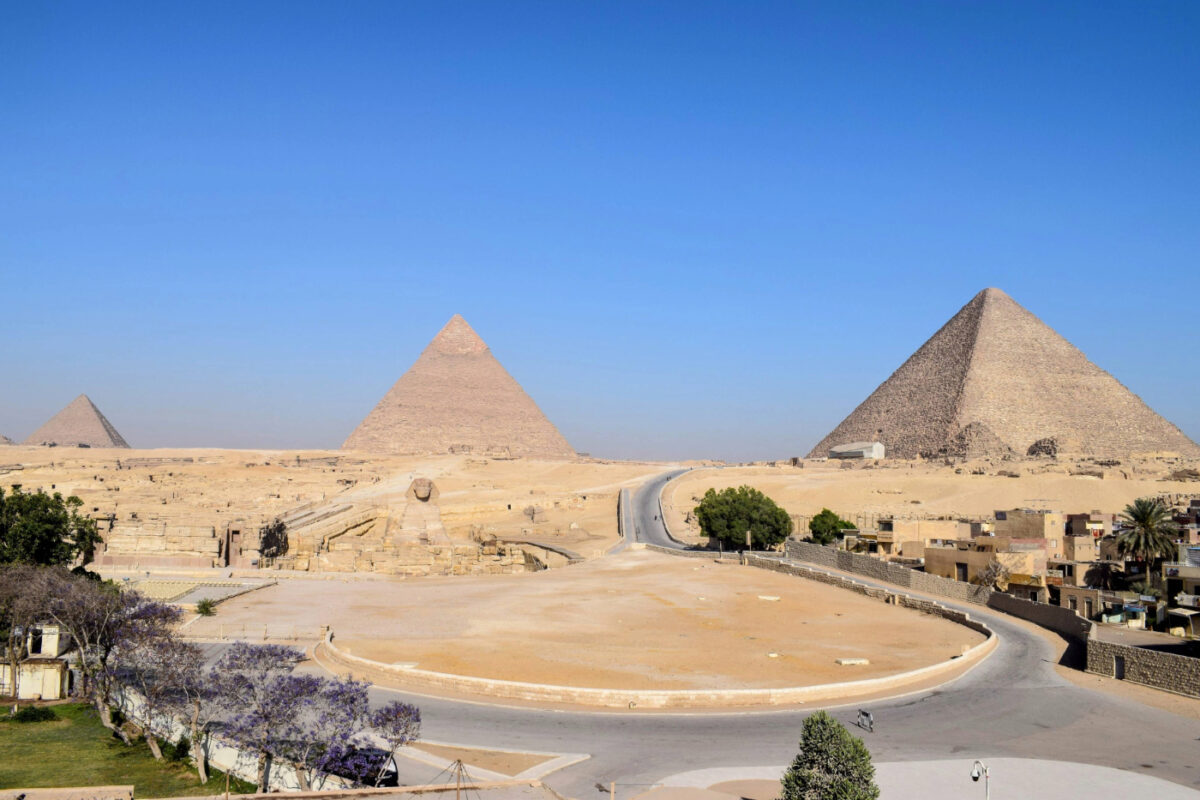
{"points": [[980, 769]]}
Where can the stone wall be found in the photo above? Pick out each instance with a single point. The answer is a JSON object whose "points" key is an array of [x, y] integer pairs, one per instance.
{"points": [[1169, 671], [458, 685], [1055, 618], [885, 595], [161, 544], [711, 555]]}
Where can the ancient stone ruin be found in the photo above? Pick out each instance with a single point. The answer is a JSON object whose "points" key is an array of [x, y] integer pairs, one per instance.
{"points": [[410, 540], [457, 398], [80, 424], [996, 380]]}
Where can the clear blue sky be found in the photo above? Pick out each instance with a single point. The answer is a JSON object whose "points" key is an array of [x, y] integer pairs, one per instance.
{"points": [[688, 229]]}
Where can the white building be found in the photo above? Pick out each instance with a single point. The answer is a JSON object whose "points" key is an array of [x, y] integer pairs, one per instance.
{"points": [[857, 450]]}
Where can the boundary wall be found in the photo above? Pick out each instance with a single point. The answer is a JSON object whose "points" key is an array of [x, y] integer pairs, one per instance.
{"points": [[1167, 671], [1055, 618]]}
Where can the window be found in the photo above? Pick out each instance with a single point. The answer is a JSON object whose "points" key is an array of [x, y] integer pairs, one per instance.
{"points": [[1073, 603]]}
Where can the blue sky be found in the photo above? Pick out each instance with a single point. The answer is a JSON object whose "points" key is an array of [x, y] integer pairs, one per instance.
{"points": [[688, 229]]}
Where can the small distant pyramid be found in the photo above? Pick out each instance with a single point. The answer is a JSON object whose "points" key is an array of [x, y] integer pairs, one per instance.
{"points": [[457, 398], [5, 440], [995, 380], [80, 423]]}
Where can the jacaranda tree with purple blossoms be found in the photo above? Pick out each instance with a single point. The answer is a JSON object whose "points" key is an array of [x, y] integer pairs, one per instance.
{"points": [[397, 724], [332, 734], [265, 701]]}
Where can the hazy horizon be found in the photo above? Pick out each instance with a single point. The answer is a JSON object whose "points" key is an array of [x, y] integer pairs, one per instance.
{"points": [[688, 230]]}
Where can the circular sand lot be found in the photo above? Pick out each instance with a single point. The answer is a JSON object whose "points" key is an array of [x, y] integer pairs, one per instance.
{"points": [[639, 620]]}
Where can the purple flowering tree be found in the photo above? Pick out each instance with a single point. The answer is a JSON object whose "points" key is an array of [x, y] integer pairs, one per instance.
{"points": [[102, 619], [266, 703], [154, 666], [397, 724], [332, 733]]}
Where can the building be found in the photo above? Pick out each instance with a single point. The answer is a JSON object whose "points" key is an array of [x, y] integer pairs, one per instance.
{"points": [[964, 560], [908, 538], [1080, 548], [1094, 524], [1091, 603], [1028, 523], [44, 674], [1182, 577], [857, 450]]}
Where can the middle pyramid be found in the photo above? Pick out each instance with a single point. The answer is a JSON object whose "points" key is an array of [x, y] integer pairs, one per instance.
{"points": [[458, 398]]}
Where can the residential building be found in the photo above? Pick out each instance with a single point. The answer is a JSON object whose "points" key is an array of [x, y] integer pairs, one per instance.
{"points": [[1094, 524], [1026, 523]]}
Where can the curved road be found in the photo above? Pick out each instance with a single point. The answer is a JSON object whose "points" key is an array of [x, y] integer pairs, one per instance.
{"points": [[1013, 704]]}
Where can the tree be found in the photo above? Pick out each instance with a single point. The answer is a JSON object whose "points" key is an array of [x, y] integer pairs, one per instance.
{"points": [[196, 701], [827, 527], [100, 618], [155, 665], [332, 734], [1149, 531], [44, 529], [728, 514], [19, 608], [831, 764], [1101, 575], [397, 724], [994, 575], [266, 702]]}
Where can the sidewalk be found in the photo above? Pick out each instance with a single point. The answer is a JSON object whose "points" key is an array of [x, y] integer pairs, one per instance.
{"points": [[941, 780]]}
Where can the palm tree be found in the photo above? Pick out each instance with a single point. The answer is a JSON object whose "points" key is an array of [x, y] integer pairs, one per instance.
{"points": [[1149, 531]]}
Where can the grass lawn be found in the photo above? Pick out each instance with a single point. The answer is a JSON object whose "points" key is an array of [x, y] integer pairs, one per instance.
{"points": [[76, 750]]}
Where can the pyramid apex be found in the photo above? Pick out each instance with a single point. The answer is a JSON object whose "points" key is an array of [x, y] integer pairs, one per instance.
{"points": [[992, 293], [457, 337]]}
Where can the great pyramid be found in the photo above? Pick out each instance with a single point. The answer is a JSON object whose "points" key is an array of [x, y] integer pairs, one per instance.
{"points": [[457, 398], [80, 423], [995, 380]]}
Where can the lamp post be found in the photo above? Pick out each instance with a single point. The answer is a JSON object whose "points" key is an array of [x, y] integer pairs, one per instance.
{"points": [[980, 769]]}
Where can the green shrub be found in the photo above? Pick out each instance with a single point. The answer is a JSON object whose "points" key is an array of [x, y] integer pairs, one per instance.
{"points": [[206, 607], [826, 527], [178, 751], [728, 514], [831, 764], [35, 714]]}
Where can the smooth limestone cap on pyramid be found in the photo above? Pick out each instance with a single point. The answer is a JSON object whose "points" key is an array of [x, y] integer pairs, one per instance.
{"points": [[79, 423], [994, 380], [457, 398]]}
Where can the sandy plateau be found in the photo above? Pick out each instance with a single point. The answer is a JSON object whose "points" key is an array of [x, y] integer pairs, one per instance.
{"points": [[198, 487], [918, 490], [638, 620]]}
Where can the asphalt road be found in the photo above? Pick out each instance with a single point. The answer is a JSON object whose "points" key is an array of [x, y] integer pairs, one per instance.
{"points": [[1012, 705], [650, 529]]}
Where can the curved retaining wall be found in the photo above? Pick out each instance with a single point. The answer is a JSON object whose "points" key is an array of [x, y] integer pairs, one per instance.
{"points": [[445, 683]]}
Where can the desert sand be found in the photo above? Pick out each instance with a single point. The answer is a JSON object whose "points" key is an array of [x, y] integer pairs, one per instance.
{"points": [[638, 620], [916, 490]]}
